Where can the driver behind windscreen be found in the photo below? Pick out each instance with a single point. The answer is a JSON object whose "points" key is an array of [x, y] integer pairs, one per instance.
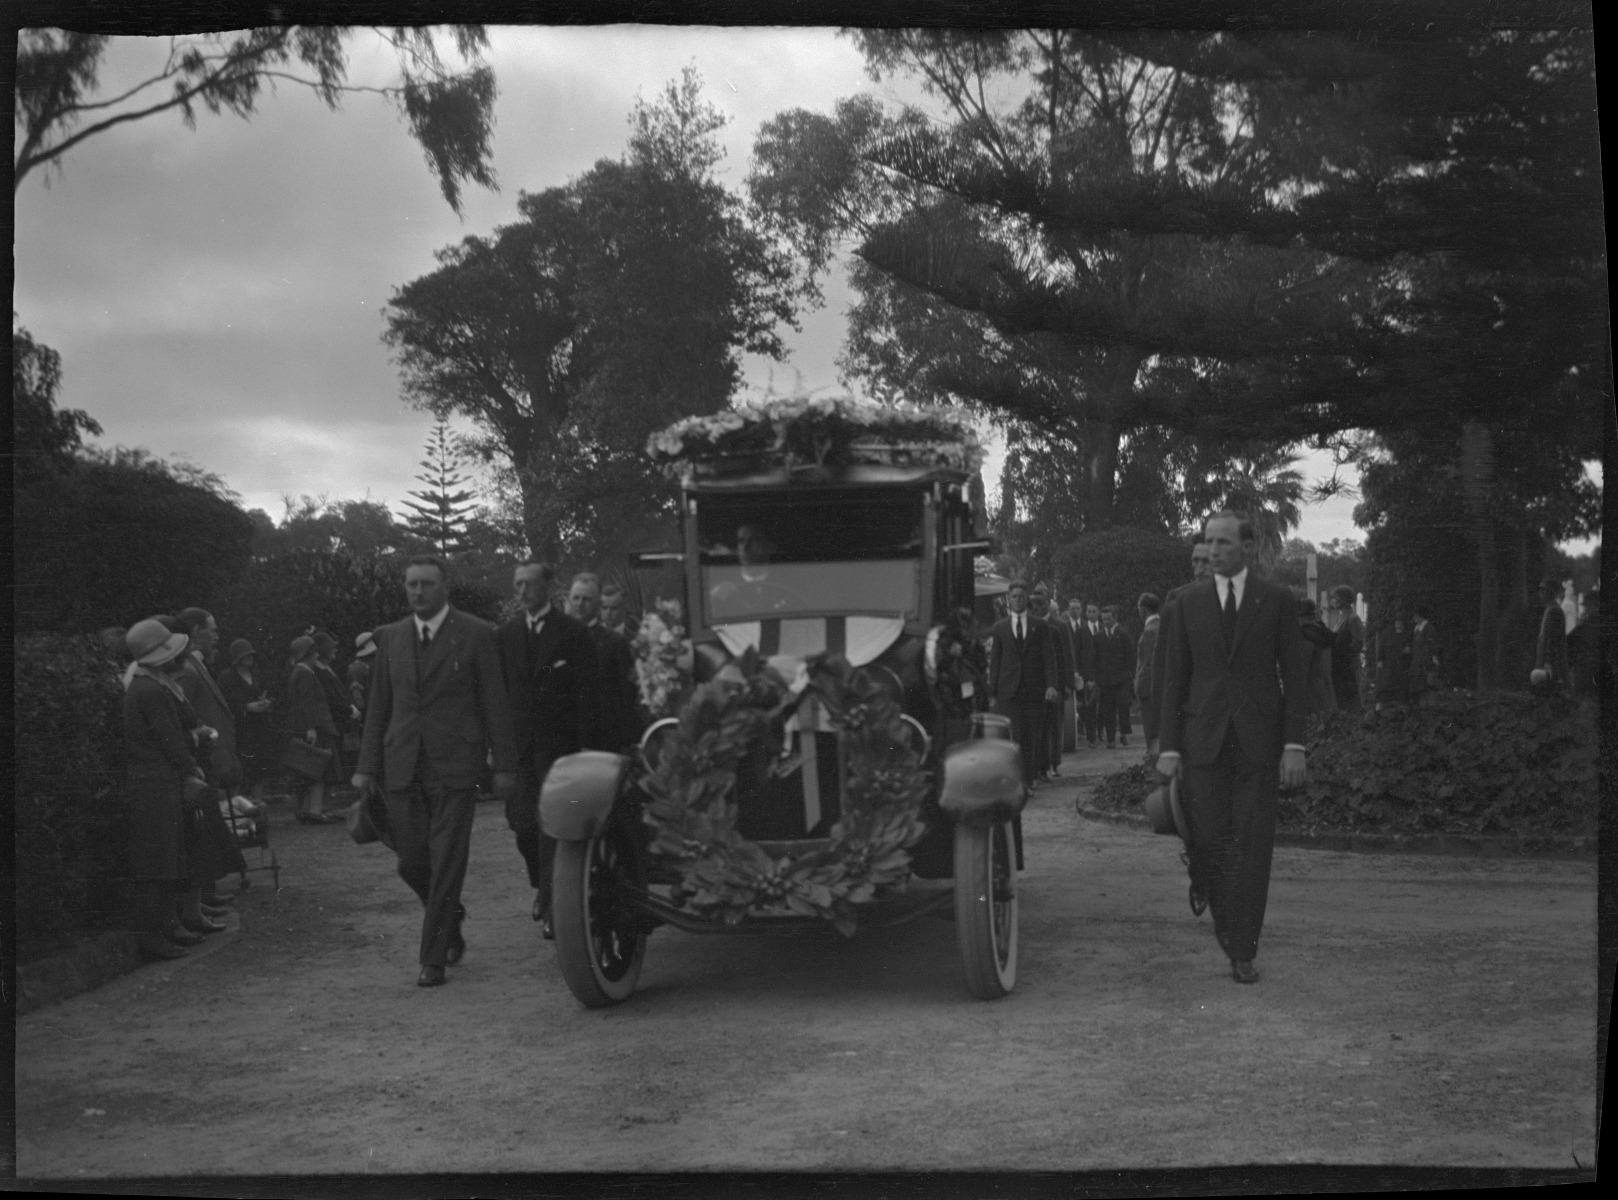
{"points": [[755, 550]]}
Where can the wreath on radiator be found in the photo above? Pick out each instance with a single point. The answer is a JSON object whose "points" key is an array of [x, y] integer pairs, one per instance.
{"points": [[743, 713]]}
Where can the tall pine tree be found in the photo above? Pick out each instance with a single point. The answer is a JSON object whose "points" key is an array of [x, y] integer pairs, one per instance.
{"points": [[439, 513]]}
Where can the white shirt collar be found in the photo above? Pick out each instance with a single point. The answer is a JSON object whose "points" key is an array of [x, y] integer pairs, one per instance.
{"points": [[1238, 581], [432, 624], [535, 618]]}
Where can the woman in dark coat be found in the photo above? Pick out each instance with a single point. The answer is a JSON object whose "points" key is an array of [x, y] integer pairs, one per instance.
{"points": [[338, 702], [1317, 647], [309, 717], [1348, 641], [250, 706], [164, 781]]}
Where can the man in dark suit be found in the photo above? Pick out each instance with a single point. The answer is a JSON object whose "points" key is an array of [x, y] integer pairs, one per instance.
{"points": [[1234, 702], [618, 725], [1086, 648], [1023, 674], [549, 665], [1062, 639], [437, 710], [1115, 667], [200, 687]]}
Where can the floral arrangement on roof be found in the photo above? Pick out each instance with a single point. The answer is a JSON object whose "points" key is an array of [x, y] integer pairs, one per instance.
{"points": [[821, 431]]}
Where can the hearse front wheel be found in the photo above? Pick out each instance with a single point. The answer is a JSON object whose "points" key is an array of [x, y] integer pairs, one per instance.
{"points": [[600, 938], [986, 908]]}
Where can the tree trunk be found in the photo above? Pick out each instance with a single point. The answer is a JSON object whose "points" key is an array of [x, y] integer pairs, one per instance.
{"points": [[1101, 475], [1008, 495], [1488, 635], [1103, 435], [1477, 476], [1519, 569]]}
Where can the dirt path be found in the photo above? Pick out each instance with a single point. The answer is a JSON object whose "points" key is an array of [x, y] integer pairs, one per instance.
{"points": [[1413, 1010]]}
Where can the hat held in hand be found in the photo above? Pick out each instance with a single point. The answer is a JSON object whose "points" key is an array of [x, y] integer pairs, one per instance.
{"points": [[1162, 806], [365, 645]]}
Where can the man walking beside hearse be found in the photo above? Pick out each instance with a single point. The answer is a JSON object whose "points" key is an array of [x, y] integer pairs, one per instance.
{"points": [[1233, 706], [549, 662], [437, 708]]}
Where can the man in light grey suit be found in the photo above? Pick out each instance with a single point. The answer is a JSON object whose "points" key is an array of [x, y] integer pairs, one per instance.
{"points": [[437, 709]]}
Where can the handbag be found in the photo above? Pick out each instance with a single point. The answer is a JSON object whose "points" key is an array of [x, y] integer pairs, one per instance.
{"points": [[367, 821], [301, 758]]}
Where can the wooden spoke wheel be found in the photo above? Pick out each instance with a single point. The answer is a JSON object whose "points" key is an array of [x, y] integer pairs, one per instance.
{"points": [[600, 938], [986, 908]]}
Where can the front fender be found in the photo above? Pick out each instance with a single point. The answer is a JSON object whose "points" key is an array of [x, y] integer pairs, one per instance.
{"points": [[577, 796], [983, 781]]}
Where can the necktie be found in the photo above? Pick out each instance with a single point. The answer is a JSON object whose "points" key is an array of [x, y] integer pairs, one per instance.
{"points": [[426, 637], [1017, 628], [1229, 614]]}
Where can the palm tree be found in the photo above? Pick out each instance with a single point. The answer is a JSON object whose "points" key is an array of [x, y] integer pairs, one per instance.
{"points": [[1264, 483]]}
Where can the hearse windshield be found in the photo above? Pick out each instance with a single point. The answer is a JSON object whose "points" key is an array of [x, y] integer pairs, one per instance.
{"points": [[810, 554]]}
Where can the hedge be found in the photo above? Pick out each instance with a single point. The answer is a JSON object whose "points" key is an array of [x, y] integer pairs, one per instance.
{"points": [[69, 803], [1466, 763]]}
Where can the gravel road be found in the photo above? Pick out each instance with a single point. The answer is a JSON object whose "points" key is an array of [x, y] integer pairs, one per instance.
{"points": [[1414, 1010]]}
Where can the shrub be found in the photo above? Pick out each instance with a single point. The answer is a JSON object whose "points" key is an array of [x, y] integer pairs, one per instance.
{"points": [[107, 543], [1468, 763], [1492, 762], [70, 813]]}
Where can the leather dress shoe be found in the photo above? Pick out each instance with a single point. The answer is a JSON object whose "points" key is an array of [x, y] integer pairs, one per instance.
{"points": [[1243, 971], [431, 976], [182, 936], [1199, 902], [457, 943], [546, 929], [204, 926], [538, 911], [216, 914]]}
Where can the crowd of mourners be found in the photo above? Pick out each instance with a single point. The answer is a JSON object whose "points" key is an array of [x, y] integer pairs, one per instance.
{"points": [[214, 732]]}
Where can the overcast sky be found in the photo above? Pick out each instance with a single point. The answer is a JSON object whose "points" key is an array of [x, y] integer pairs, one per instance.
{"points": [[218, 294]]}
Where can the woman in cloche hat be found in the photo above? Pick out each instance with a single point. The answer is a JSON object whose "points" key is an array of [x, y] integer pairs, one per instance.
{"points": [[160, 769], [309, 717]]}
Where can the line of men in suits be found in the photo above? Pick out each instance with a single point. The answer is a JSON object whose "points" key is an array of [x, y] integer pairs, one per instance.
{"points": [[1039, 662], [451, 693]]}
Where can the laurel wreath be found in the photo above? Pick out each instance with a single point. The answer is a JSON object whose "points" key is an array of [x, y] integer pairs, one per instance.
{"points": [[728, 727]]}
